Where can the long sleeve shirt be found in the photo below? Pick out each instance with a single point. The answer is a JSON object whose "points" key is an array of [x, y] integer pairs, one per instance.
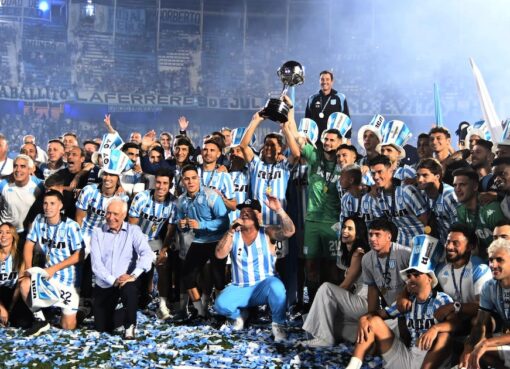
{"points": [[114, 254]]}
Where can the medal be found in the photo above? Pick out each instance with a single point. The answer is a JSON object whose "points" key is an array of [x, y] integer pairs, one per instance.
{"points": [[269, 190], [321, 115], [427, 229], [154, 227], [325, 188]]}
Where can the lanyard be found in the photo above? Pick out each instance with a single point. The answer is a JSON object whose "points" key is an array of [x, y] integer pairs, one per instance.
{"points": [[392, 208], [458, 290], [210, 178], [423, 313], [321, 114], [386, 272], [52, 240]]}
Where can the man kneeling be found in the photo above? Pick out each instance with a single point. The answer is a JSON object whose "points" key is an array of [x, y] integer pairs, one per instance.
{"points": [[429, 339], [253, 253]]}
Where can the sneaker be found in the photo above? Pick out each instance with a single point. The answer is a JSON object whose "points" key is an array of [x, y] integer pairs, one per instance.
{"points": [[279, 332], [315, 342], [238, 323], [38, 327], [163, 313], [129, 333]]}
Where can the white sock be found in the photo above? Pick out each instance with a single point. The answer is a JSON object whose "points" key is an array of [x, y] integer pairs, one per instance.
{"points": [[39, 315], [355, 363], [163, 301], [200, 307]]}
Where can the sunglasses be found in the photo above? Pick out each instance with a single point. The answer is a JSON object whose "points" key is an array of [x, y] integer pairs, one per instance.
{"points": [[414, 274]]}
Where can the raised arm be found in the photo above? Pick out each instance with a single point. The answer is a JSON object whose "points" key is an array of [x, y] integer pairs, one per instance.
{"points": [[285, 228], [250, 131]]}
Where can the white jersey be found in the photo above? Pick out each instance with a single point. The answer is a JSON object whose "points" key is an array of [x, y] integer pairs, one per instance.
{"points": [[152, 214], [269, 178], [16, 201], [251, 263], [94, 203], [8, 273], [6, 167], [58, 242], [465, 283]]}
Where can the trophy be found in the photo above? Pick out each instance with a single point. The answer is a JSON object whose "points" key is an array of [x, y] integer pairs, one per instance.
{"points": [[291, 73]]}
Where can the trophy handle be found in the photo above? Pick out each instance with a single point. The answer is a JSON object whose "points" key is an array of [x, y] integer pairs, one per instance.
{"points": [[284, 91]]}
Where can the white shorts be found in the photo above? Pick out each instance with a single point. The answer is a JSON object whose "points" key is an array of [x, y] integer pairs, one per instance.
{"points": [[69, 297], [401, 357], [504, 354]]}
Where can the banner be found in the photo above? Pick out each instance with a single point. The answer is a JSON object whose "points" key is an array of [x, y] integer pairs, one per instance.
{"points": [[179, 16], [61, 95]]}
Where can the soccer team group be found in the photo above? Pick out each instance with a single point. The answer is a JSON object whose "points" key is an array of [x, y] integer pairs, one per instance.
{"points": [[411, 262]]}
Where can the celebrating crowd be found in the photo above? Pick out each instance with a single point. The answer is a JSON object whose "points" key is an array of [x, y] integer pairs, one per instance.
{"points": [[411, 262]]}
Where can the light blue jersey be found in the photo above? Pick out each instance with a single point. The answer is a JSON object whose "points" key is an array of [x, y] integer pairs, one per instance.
{"points": [[241, 183], [403, 207], [445, 209], [369, 209], [58, 242], [269, 178], [94, 203], [421, 316], [496, 300], [251, 263], [152, 214], [220, 181], [350, 206], [402, 173], [8, 273]]}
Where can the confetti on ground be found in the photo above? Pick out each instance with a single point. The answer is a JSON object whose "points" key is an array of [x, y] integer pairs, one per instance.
{"points": [[164, 345]]}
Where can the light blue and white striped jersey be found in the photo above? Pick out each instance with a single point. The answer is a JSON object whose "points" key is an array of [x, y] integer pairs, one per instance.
{"points": [[496, 299], [403, 207], [369, 209], [217, 180], [269, 177], [8, 273], [350, 206], [469, 279], [94, 203], [151, 214], [58, 242], [402, 173], [421, 316], [251, 263], [241, 183], [445, 209]]}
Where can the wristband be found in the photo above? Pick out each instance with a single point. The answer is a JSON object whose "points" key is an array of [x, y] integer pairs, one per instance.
{"points": [[457, 306]]}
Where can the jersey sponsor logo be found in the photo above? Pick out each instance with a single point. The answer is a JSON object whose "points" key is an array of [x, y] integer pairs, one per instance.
{"points": [[396, 213], [333, 102], [93, 210], [240, 188], [8, 276], [270, 176], [152, 218], [420, 324], [54, 245]]}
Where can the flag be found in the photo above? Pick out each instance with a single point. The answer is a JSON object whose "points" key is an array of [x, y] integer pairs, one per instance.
{"points": [[489, 113], [437, 107]]}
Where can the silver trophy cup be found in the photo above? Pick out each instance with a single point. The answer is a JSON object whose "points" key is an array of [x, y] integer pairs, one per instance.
{"points": [[291, 73]]}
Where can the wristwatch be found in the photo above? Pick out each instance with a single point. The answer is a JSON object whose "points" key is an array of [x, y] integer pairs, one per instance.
{"points": [[457, 306]]}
